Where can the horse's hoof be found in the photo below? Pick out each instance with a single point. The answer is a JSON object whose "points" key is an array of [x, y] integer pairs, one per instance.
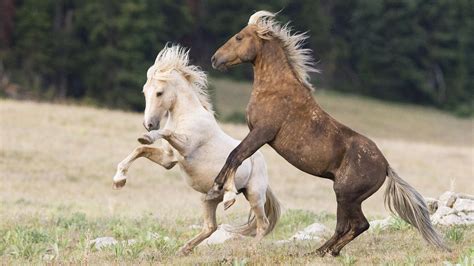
{"points": [[119, 184], [213, 194], [145, 139], [318, 252], [333, 253], [229, 199], [183, 252]]}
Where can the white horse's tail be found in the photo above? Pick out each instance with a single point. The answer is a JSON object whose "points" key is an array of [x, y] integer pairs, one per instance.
{"points": [[404, 200], [272, 211]]}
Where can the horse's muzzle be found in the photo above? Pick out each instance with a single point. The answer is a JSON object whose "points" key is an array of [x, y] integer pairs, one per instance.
{"points": [[151, 126], [218, 63]]}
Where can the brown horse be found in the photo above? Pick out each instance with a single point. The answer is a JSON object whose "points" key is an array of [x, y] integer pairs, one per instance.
{"points": [[283, 113]]}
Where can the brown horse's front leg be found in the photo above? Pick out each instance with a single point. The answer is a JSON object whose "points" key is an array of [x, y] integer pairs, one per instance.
{"points": [[256, 138]]}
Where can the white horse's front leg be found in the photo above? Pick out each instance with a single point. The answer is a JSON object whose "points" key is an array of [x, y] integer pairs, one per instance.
{"points": [[150, 137], [209, 227], [179, 141], [158, 155]]}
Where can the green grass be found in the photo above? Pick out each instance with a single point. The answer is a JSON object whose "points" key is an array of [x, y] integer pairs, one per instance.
{"points": [[57, 162], [65, 238], [455, 233]]}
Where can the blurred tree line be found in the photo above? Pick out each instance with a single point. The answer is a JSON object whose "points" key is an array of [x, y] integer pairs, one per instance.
{"points": [[416, 51]]}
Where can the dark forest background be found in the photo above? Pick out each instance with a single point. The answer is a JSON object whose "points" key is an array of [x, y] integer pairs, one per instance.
{"points": [[97, 51]]}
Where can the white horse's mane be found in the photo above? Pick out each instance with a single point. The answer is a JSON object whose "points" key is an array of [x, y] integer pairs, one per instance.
{"points": [[176, 57], [299, 58]]}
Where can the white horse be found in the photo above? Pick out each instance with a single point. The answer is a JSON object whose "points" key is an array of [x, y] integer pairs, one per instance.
{"points": [[175, 96]]}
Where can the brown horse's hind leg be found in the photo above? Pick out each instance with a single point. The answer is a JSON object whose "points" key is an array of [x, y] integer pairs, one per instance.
{"points": [[357, 224], [342, 227]]}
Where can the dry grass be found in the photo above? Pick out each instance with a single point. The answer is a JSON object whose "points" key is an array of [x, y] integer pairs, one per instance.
{"points": [[57, 161]]}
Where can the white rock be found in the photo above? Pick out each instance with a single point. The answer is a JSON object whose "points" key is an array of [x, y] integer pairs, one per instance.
{"points": [[380, 224], [432, 204], [448, 199], [451, 219], [219, 236], [195, 226], [313, 232], [130, 242], [465, 196], [102, 242], [464, 205], [284, 241], [152, 235]]}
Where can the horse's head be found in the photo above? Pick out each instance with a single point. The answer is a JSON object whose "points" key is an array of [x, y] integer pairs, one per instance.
{"points": [[170, 76], [159, 97], [251, 43], [245, 45]]}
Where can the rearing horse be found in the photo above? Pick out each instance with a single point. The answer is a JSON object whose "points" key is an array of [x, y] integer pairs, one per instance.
{"points": [[283, 113]]}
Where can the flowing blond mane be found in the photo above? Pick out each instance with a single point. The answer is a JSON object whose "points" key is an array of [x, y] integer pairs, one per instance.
{"points": [[176, 57], [300, 58]]}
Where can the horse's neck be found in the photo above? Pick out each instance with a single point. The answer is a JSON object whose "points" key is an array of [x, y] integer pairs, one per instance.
{"points": [[186, 109], [271, 67]]}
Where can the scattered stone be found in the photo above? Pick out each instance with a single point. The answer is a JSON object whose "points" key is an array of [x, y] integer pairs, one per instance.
{"points": [[432, 204], [464, 205], [102, 242], [465, 196], [130, 242], [312, 232], [380, 224], [195, 226], [48, 257], [220, 236], [152, 235], [454, 209], [450, 209], [448, 198]]}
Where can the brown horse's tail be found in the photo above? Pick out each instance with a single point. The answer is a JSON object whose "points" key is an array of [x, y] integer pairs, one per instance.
{"points": [[272, 211], [404, 200]]}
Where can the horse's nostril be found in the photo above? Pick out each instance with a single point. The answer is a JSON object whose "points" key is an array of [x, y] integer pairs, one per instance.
{"points": [[213, 59], [150, 126]]}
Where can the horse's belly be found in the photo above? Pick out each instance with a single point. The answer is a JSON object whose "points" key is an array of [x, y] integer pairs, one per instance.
{"points": [[306, 157], [200, 170]]}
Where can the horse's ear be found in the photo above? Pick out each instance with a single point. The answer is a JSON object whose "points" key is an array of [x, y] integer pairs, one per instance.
{"points": [[265, 34], [188, 77]]}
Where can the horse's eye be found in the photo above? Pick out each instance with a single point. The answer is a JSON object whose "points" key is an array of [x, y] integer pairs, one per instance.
{"points": [[238, 38], [158, 94]]}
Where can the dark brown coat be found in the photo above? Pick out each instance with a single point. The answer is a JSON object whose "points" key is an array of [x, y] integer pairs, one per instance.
{"points": [[283, 113]]}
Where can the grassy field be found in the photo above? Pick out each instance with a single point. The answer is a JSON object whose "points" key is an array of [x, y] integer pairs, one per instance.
{"points": [[57, 161]]}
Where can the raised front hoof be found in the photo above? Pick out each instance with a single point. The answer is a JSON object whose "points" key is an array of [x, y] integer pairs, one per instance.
{"points": [[319, 253], [183, 251], [145, 139], [213, 194], [120, 184], [229, 199], [333, 253]]}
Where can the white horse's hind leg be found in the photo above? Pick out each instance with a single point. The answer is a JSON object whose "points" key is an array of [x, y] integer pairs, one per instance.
{"points": [[256, 190], [209, 226], [157, 155], [257, 204]]}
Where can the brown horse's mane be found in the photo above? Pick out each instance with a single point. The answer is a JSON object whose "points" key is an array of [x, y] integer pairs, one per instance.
{"points": [[299, 58], [176, 57]]}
